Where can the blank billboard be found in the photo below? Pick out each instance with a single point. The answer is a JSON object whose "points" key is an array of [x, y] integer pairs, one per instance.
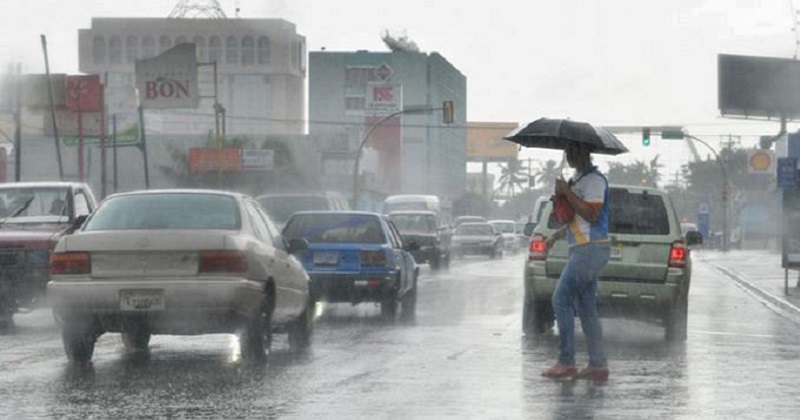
{"points": [[758, 86]]}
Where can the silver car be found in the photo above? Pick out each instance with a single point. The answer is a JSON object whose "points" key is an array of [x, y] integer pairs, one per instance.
{"points": [[181, 262]]}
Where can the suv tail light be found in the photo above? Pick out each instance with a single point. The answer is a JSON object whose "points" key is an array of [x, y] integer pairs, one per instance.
{"points": [[678, 254], [372, 258], [222, 262], [70, 263], [538, 249]]}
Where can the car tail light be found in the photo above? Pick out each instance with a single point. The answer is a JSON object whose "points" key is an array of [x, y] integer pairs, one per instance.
{"points": [[678, 254], [372, 258], [70, 263], [538, 249], [223, 262]]}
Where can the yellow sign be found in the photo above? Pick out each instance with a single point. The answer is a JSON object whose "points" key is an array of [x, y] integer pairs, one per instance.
{"points": [[485, 141], [760, 162]]}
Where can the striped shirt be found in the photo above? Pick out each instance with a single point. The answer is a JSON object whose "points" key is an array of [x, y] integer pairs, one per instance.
{"points": [[591, 187]]}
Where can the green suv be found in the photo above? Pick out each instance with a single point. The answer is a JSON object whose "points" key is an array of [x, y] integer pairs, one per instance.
{"points": [[647, 277]]}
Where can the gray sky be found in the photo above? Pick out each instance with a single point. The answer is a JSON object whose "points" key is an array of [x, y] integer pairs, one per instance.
{"points": [[609, 62]]}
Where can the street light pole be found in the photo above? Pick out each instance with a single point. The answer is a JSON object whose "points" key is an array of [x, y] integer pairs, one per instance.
{"points": [[414, 110], [725, 192]]}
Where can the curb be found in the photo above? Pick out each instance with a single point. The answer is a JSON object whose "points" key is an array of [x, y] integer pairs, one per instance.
{"points": [[779, 305]]}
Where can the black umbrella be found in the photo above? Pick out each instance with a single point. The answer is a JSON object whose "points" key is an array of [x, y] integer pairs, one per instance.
{"points": [[555, 134]]}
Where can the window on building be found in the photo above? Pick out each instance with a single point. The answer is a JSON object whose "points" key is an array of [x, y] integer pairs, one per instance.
{"points": [[354, 103], [99, 49], [115, 50], [214, 49], [200, 42], [131, 49], [180, 40], [231, 50], [263, 50], [164, 43], [148, 46], [248, 51]]}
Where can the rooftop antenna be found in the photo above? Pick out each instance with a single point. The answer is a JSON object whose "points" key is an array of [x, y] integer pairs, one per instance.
{"points": [[188, 9], [238, 6], [795, 27]]}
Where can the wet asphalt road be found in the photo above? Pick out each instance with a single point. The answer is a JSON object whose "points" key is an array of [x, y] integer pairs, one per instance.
{"points": [[463, 357]]}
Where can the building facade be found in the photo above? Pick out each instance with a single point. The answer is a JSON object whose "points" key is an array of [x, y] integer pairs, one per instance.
{"points": [[392, 102], [261, 71]]}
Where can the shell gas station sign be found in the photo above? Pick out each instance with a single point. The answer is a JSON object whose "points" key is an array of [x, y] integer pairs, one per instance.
{"points": [[760, 162]]}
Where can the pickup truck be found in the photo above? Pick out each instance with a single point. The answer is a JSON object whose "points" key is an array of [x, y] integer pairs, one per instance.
{"points": [[33, 216]]}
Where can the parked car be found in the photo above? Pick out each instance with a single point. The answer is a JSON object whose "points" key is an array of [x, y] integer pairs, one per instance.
{"points": [[508, 229], [477, 239], [33, 216], [281, 206], [179, 262], [357, 257], [468, 219], [426, 229], [647, 277]]}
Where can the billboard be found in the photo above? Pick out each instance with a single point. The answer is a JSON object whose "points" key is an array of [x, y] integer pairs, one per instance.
{"points": [[213, 159], [169, 80], [485, 142], [758, 86]]}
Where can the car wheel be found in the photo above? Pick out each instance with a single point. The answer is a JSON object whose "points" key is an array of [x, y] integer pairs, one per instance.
{"points": [[389, 305], [536, 317], [410, 303], [675, 320], [435, 262], [256, 340], [79, 340], [136, 341], [302, 328]]}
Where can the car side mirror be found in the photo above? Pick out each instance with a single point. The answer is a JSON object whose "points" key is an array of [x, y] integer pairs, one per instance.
{"points": [[297, 245], [412, 246], [79, 221], [529, 227], [694, 238]]}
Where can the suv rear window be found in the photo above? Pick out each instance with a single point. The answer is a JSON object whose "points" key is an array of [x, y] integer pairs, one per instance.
{"points": [[636, 213]]}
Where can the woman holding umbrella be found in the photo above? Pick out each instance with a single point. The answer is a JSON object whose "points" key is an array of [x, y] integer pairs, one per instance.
{"points": [[589, 251]]}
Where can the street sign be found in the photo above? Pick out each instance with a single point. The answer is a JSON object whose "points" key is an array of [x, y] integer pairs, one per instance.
{"points": [[703, 208], [258, 159], [787, 172]]}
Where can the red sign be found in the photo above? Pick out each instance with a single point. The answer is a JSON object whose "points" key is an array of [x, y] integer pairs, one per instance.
{"points": [[83, 93], [213, 159]]}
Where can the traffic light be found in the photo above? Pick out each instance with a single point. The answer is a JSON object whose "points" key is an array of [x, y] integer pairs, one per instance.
{"points": [[447, 112], [646, 136]]}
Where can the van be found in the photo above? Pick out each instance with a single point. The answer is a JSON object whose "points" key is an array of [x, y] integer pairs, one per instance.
{"points": [[281, 206], [405, 202]]}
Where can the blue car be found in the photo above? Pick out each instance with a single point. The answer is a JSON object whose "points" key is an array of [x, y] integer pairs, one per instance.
{"points": [[357, 257]]}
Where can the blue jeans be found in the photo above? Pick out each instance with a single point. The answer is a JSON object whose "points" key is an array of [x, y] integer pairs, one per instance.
{"points": [[578, 282]]}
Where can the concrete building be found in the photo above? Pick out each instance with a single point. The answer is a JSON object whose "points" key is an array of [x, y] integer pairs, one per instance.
{"points": [[261, 66], [351, 97]]}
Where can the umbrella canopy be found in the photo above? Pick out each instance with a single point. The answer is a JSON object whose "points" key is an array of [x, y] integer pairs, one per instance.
{"points": [[556, 133]]}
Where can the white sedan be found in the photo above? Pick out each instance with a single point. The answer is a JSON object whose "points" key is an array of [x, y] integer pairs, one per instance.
{"points": [[181, 262]]}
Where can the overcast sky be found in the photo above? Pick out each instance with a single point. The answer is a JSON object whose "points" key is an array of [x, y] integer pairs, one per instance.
{"points": [[609, 62]]}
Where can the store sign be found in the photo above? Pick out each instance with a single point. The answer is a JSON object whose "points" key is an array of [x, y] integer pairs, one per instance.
{"points": [[169, 80], [258, 159], [215, 159], [760, 162], [84, 93], [383, 99]]}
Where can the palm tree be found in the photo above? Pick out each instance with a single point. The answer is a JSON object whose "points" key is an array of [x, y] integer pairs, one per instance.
{"points": [[512, 174], [547, 174]]}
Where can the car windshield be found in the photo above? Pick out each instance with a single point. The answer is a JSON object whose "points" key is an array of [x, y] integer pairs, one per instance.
{"points": [[33, 205], [474, 230], [504, 227], [335, 228], [414, 222], [166, 211], [280, 207]]}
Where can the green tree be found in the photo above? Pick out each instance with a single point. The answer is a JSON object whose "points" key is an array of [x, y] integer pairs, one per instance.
{"points": [[546, 176]]}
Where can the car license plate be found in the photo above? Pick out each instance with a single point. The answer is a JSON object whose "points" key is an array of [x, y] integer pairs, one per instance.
{"points": [[616, 252], [326, 258], [142, 300]]}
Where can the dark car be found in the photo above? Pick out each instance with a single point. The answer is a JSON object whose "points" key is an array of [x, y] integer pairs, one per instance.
{"points": [[356, 257], [477, 239], [33, 216], [425, 228]]}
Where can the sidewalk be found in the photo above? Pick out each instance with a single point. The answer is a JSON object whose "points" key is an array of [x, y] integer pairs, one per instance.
{"points": [[761, 273]]}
